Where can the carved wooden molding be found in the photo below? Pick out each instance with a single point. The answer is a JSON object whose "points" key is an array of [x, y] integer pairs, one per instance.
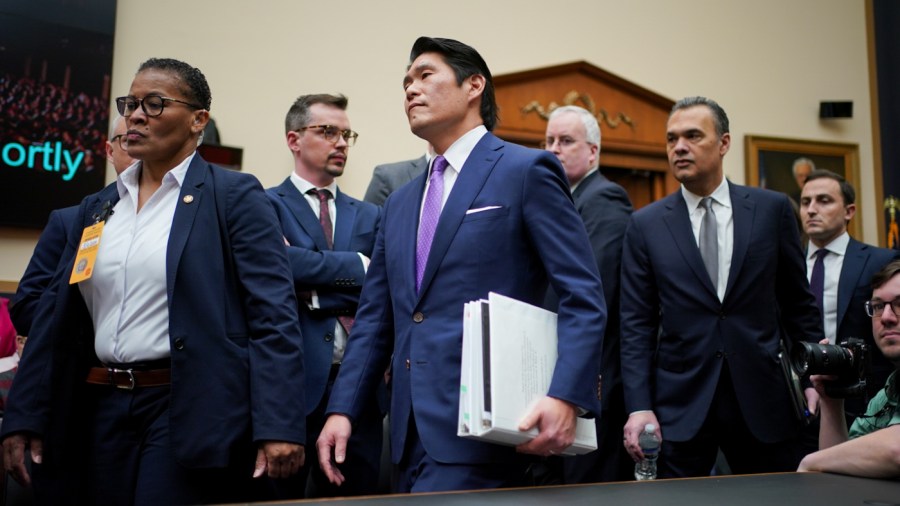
{"points": [[571, 98]]}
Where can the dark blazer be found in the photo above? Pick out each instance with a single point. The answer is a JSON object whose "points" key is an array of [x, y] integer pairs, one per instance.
{"points": [[40, 268], [236, 350], [390, 176], [861, 262], [676, 334], [604, 208], [336, 275], [511, 249]]}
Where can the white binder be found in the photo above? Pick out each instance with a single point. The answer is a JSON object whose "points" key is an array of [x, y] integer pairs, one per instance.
{"points": [[509, 352]]}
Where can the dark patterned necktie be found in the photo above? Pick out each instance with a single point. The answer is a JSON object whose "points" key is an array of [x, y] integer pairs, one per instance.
{"points": [[328, 230]]}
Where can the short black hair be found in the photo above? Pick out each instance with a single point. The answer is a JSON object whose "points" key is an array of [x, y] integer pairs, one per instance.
{"points": [[719, 117], [465, 61], [195, 88], [298, 115], [847, 191]]}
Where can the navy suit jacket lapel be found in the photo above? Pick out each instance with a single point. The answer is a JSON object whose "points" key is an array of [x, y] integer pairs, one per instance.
{"points": [[743, 211], [306, 218], [95, 206], [189, 201], [854, 262], [343, 226], [678, 221], [468, 184]]}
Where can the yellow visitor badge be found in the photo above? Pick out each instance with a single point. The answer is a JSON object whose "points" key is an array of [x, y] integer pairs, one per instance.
{"points": [[87, 253]]}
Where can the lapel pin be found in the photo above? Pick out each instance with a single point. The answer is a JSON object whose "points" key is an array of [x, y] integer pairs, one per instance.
{"points": [[188, 199]]}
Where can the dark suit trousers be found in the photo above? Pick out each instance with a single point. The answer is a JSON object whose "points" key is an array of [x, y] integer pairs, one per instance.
{"points": [[610, 462], [725, 429], [361, 467], [131, 460], [419, 472]]}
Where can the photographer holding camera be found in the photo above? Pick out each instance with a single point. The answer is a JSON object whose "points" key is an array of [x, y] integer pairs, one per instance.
{"points": [[872, 446], [840, 270]]}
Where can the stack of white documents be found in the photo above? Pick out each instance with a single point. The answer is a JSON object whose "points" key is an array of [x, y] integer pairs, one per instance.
{"points": [[508, 356]]}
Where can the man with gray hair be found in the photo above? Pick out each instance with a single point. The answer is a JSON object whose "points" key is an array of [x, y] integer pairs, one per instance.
{"points": [[801, 169], [117, 146], [713, 280], [573, 135]]}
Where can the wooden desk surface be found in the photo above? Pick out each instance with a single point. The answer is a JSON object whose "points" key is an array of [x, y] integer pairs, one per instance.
{"points": [[795, 489]]}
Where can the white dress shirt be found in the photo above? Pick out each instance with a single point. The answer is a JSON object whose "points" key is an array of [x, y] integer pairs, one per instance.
{"points": [[832, 263], [456, 156], [721, 204], [303, 186], [127, 293]]}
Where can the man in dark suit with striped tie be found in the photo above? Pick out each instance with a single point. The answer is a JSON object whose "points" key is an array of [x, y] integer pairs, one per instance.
{"points": [[329, 237]]}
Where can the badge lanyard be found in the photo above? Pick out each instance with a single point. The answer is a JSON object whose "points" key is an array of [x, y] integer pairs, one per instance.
{"points": [[89, 246]]}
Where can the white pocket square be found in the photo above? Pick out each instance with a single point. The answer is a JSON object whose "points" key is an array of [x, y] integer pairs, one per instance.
{"points": [[482, 209]]}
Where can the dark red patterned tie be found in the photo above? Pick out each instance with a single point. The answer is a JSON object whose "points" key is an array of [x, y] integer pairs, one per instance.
{"points": [[324, 215], [328, 229]]}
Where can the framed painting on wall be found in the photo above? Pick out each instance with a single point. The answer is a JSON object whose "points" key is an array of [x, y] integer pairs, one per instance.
{"points": [[783, 164]]}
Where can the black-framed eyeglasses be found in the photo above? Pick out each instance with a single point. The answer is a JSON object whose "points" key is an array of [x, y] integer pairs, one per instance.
{"points": [[152, 105], [333, 133], [121, 139], [875, 308]]}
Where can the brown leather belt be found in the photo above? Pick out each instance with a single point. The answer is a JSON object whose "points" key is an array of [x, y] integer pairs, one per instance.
{"points": [[129, 379]]}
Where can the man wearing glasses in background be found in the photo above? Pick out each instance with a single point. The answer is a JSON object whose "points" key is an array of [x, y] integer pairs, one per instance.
{"points": [[52, 242], [573, 135], [872, 448], [329, 238]]}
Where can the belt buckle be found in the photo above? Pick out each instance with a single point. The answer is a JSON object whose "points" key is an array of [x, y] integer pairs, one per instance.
{"points": [[112, 378]]}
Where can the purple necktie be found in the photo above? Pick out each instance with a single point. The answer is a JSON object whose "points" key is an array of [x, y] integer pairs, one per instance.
{"points": [[431, 212], [817, 279]]}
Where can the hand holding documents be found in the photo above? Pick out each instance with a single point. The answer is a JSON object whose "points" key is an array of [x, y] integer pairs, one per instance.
{"points": [[508, 356], [556, 421]]}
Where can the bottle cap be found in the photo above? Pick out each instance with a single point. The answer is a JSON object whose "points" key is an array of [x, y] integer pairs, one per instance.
{"points": [[650, 427]]}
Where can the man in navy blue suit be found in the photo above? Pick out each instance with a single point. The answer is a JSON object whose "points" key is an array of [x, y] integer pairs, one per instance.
{"points": [[52, 242], [329, 237], [499, 218], [827, 204], [573, 135], [712, 280]]}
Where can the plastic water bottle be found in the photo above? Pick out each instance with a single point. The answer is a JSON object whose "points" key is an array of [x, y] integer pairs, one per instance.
{"points": [[649, 442]]}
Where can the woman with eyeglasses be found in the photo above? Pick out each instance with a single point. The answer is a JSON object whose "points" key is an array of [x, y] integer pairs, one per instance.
{"points": [[166, 365]]}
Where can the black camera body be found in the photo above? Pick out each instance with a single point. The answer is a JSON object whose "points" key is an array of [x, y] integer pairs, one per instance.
{"points": [[848, 360]]}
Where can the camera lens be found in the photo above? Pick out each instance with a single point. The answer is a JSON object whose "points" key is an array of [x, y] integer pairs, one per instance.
{"points": [[809, 358]]}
